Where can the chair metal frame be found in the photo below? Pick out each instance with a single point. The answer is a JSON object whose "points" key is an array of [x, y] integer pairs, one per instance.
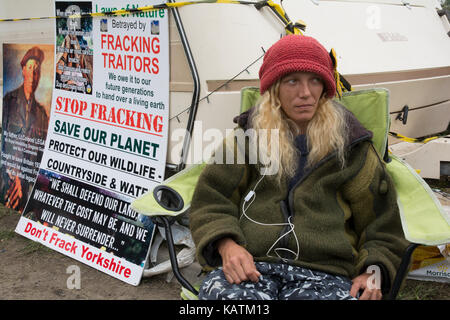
{"points": [[395, 285], [166, 221], [393, 293]]}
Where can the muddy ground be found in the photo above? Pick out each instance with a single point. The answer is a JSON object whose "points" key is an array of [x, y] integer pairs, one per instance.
{"points": [[30, 271]]}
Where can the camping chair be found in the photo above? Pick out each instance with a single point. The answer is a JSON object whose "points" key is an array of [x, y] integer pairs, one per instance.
{"points": [[424, 221]]}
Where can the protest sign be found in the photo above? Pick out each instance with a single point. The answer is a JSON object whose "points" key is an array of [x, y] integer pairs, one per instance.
{"points": [[27, 87], [107, 136]]}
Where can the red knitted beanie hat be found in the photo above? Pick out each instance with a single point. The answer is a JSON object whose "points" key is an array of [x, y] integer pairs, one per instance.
{"points": [[297, 53]]}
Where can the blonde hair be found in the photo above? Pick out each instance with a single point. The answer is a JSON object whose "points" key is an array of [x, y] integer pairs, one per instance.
{"points": [[325, 132]]}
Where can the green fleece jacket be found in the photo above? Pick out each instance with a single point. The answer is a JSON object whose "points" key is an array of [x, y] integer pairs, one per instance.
{"points": [[345, 219]]}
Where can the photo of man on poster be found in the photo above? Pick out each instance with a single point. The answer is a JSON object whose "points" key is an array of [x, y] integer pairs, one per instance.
{"points": [[24, 129]]}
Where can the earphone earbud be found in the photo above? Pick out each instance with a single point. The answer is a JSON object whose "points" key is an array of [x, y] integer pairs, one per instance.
{"points": [[249, 196]]}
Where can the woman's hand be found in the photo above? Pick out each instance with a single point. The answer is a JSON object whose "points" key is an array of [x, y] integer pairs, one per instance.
{"points": [[238, 264], [362, 282]]}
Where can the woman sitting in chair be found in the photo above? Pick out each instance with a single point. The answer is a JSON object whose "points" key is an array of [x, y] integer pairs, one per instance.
{"points": [[326, 225]]}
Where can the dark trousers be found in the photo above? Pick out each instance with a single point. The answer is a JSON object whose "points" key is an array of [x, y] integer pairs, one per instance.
{"points": [[278, 282]]}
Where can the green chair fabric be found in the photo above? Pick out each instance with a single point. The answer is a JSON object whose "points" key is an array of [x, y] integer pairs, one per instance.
{"points": [[371, 108], [249, 97], [424, 221], [423, 218], [180, 187]]}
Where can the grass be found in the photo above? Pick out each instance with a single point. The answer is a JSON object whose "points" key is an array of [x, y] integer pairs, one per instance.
{"points": [[6, 212], [424, 290], [33, 247], [428, 290], [411, 290], [6, 235]]}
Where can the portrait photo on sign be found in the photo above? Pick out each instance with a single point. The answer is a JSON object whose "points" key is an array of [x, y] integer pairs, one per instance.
{"points": [[27, 88], [74, 53]]}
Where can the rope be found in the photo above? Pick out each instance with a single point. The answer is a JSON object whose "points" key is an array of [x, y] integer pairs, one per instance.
{"points": [[123, 12], [290, 27], [219, 87], [413, 140]]}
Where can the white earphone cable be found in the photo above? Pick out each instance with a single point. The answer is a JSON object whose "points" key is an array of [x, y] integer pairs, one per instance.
{"points": [[249, 198]]}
